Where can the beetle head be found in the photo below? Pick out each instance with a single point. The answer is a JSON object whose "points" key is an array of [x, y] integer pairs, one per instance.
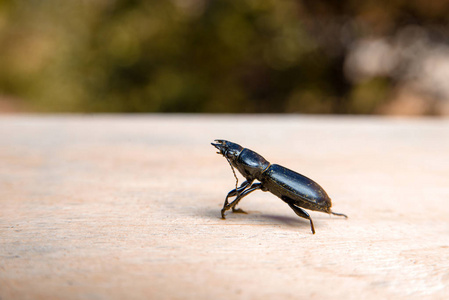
{"points": [[228, 149]]}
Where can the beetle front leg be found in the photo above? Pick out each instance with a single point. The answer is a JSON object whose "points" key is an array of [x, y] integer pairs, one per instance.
{"points": [[246, 192], [235, 192], [239, 210]]}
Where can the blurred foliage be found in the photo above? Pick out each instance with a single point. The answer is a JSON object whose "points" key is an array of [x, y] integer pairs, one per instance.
{"points": [[199, 55]]}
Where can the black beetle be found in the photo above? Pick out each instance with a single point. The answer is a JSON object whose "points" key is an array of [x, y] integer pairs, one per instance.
{"points": [[293, 188]]}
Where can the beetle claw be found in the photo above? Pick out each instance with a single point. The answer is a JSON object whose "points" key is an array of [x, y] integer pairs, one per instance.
{"points": [[223, 214]]}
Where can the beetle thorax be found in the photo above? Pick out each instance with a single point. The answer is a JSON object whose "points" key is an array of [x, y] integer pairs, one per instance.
{"points": [[251, 165]]}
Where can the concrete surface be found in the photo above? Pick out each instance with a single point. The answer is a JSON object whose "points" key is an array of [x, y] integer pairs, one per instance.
{"points": [[128, 207]]}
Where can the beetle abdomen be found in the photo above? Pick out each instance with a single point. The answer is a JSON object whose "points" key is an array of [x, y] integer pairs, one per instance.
{"points": [[286, 183]]}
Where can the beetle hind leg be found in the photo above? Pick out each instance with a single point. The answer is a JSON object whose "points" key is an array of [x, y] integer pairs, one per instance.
{"points": [[303, 214]]}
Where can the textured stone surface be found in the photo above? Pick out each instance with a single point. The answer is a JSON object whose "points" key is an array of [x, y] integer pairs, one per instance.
{"points": [[115, 207]]}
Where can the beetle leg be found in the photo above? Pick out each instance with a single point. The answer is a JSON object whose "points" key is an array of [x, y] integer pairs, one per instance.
{"points": [[303, 214], [235, 192], [249, 190], [238, 210]]}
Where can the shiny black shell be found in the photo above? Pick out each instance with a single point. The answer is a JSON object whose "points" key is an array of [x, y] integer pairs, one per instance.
{"points": [[295, 188], [251, 164]]}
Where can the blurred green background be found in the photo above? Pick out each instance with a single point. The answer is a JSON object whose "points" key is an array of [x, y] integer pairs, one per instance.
{"points": [[246, 56]]}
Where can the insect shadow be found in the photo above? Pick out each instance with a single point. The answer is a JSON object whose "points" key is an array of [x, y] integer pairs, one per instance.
{"points": [[289, 221], [260, 219]]}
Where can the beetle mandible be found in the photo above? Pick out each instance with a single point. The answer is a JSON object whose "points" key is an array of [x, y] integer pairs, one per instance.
{"points": [[293, 188]]}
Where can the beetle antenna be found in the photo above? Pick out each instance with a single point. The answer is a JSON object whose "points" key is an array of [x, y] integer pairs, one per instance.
{"points": [[236, 178]]}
